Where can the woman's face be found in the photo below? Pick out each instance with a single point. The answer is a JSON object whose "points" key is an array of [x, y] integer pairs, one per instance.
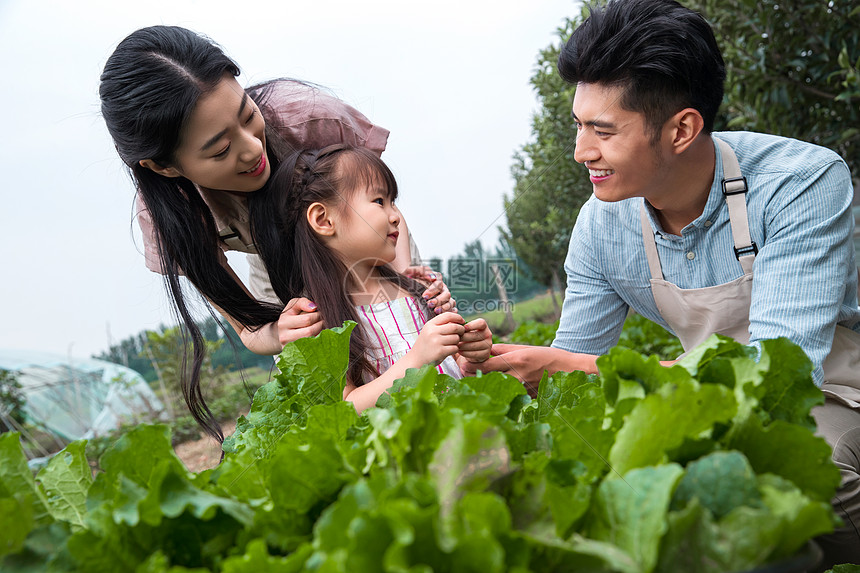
{"points": [[223, 146]]}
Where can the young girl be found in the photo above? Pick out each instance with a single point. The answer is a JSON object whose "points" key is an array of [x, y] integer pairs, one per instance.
{"points": [[339, 226]]}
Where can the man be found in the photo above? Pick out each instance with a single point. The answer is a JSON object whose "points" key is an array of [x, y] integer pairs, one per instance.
{"points": [[743, 234]]}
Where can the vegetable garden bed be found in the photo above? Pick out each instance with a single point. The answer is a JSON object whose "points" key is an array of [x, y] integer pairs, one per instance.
{"points": [[710, 465]]}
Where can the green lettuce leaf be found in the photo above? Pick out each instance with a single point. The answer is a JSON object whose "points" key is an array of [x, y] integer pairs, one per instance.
{"points": [[695, 541], [549, 553], [800, 517], [16, 523], [790, 451], [472, 455], [631, 512], [65, 482], [558, 391], [627, 374], [305, 474], [316, 367], [716, 347], [257, 560], [779, 385], [721, 482], [139, 451], [575, 436], [16, 479], [664, 420]]}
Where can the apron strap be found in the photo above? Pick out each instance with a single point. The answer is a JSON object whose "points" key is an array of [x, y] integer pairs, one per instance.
{"points": [[230, 237], [650, 244], [735, 191]]}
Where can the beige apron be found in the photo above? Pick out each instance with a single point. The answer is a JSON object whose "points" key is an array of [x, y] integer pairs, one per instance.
{"points": [[695, 314]]}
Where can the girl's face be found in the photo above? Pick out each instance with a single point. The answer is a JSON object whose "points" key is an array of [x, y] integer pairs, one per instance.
{"points": [[223, 146], [366, 227]]}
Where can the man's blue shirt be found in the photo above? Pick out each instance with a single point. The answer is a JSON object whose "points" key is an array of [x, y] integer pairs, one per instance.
{"points": [[804, 277]]}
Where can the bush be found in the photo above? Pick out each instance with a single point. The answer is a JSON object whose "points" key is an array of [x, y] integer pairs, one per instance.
{"points": [[534, 333], [649, 338], [639, 334]]}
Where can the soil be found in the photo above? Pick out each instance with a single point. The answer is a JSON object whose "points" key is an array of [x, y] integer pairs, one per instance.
{"points": [[205, 453]]}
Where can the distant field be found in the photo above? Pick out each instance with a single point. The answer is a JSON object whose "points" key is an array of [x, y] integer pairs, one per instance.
{"points": [[539, 308]]}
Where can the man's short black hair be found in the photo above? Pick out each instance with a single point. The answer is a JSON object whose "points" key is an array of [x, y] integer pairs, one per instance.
{"points": [[664, 55]]}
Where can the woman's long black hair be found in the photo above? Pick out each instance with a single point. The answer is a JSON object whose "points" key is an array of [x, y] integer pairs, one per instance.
{"points": [[148, 89], [299, 263]]}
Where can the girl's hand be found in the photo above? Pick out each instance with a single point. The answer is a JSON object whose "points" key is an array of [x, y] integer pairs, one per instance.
{"points": [[299, 319], [437, 295], [477, 341], [438, 339]]}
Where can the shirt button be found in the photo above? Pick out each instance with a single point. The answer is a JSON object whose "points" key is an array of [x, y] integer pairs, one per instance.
{"points": [[708, 223], [691, 255]]}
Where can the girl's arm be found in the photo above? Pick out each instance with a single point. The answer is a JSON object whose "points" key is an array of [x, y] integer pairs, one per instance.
{"points": [[438, 340]]}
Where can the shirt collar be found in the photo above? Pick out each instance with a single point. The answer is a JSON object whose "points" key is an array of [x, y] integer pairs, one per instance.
{"points": [[712, 209]]}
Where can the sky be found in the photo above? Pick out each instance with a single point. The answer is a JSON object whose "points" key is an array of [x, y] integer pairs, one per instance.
{"points": [[449, 79]]}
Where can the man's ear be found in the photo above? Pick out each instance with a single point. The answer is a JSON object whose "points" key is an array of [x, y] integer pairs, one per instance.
{"points": [[686, 126], [161, 170], [320, 219]]}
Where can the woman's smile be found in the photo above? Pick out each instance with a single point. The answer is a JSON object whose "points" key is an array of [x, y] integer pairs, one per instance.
{"points": [[258, 169]]}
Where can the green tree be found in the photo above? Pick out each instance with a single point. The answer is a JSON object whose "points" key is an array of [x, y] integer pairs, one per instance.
{"points": [[230, 354], [549, 186], [130, 352], [793, 69], [11, 402], [472, 283], [227, 349]]}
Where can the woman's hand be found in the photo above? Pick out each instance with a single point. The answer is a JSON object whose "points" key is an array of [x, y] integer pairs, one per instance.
{"points": [[299, 319], [437, 295], [477, 341], [438, 339]]}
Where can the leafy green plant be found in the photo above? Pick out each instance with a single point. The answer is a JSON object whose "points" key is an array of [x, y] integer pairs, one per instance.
{"points": [[97, 446], [534, 333], [639, 334], [183, 429], [846, 568], [643, 469], [648, 337]]}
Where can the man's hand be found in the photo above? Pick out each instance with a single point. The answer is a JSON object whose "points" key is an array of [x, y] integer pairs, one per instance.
{"points": [[528, 363]]}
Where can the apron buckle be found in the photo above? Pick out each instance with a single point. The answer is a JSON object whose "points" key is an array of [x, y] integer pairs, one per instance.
{"points": [[753, 248], [735, 189]]}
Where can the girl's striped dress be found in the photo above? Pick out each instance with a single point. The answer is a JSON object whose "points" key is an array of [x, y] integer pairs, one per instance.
{"points": [[391, 329]]}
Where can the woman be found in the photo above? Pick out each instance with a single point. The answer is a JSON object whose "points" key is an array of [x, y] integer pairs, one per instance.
{"points": [[199, 147]]}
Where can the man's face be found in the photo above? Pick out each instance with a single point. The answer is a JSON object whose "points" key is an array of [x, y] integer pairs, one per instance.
{"points": [[616, 146]]}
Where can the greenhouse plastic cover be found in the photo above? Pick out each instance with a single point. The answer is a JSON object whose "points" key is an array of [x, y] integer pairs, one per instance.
{"points": [[79, 398]]}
